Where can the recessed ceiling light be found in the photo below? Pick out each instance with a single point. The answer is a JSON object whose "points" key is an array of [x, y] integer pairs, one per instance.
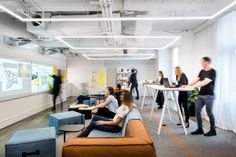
{"points": [[120, 19]]}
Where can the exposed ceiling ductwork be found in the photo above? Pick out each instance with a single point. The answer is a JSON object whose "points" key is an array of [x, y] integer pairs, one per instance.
{"points": [[16, 41]]}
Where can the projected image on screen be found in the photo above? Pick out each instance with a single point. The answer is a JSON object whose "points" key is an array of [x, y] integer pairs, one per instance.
{"points": [[24, 70], [40, 79], [15, 78], [10, 79]]}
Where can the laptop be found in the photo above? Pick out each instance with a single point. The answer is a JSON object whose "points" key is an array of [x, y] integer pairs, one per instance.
{"points": [[166, 83]]}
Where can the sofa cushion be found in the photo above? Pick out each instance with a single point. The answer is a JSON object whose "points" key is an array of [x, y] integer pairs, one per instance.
{"points": [[98, 133], [133, 115]]}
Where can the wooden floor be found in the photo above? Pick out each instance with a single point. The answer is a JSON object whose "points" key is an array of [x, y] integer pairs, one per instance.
{"points": [[171, 143]]}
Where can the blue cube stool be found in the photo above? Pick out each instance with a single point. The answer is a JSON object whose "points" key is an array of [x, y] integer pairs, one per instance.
{"points": [[65, 118], [90, 102], [33, 142]]}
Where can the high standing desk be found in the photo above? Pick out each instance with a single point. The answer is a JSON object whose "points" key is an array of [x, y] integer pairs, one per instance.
{"points": [[146, 90], [166, 91]]}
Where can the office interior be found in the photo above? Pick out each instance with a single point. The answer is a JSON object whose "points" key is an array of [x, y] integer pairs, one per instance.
{"points": [[96, 44]]}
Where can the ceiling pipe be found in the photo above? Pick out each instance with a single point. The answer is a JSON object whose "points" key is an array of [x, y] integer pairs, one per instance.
{"points": [[106, 8], [111, 22], [104, 15]]}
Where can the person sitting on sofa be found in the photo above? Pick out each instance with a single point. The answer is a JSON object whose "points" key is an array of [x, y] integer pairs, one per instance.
{"points": [[84, 93], [115, 125], [109, 107], [118, 92]]}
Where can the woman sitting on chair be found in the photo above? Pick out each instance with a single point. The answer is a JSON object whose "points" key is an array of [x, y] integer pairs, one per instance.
{"points": [[115, 125], [109, 107], [84, 93]]}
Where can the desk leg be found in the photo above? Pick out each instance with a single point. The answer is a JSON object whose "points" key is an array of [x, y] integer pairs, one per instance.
{"points": [[64, 136], [153, 106], [168, 111], [180, 114], [144, 95], [163, 113]]}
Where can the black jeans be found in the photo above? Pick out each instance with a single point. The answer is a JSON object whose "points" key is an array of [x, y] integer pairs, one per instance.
{"points": [[136, 88], [81, 98], [160, 98], [183, 101], [54, 98], [105, 112], [108, 128]]}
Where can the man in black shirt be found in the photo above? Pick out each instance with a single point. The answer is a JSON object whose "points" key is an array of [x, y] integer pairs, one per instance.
{"points": [[206, 80], [133, 82]]}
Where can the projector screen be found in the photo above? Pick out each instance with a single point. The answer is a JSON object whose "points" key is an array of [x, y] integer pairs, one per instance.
{"points": [[41, 81], [20, 78], [15, 78]]}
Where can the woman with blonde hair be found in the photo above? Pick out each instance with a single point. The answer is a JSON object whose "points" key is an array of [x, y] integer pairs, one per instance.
{"points": [[114, 125], [181, 80]]}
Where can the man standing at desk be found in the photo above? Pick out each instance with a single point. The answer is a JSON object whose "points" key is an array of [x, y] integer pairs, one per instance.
{"points": [[133, 82], [206, 80]]}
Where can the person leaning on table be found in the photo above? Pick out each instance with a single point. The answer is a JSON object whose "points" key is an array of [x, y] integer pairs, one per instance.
{"points": [[114, 125], [181, 80], [205, 80], [109, 107]]}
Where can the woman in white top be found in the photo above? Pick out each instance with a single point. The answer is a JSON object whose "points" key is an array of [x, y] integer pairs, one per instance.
{"points": [[114, 125], [109, 107]]}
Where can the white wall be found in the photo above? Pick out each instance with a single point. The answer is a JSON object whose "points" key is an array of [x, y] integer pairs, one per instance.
{"points": [[204, 45], [187, 60], [192, 48], [18, 109], [164, 62], [79, 69]]}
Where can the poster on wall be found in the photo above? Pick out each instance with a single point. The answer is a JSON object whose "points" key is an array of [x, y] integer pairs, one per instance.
{"points": [[122, 76], [98, 79], [40, 79]]}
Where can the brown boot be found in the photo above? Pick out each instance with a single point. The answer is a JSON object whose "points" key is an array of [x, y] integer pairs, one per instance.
{"points": [[84, 133]]}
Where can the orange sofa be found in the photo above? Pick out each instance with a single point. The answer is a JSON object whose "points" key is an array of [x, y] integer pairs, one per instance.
{"points": [[136, 143]]}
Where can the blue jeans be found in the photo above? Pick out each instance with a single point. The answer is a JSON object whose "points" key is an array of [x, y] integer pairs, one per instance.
{"points": [[203, 100], [108, 128]]}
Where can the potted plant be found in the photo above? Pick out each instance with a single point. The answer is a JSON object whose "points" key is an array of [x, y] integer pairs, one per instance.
{"points": [[192, 100]]}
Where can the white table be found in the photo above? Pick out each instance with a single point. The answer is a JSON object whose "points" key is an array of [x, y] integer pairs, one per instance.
{"points": [[166, 106], [146, 90]]}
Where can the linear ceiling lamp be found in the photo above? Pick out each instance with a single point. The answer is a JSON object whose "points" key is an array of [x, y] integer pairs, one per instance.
{"points": [[118, 56], [119, 37], [175, 38], [120, 19]]}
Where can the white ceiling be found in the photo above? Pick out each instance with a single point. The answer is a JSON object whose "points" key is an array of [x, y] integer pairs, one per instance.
{"points": [[120, 8]]}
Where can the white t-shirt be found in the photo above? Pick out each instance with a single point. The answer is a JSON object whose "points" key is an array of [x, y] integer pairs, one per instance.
{"points": [[112, 103], [121, 112]]}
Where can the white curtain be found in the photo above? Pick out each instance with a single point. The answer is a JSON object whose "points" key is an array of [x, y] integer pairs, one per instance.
{"points": [[225, 47]]}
